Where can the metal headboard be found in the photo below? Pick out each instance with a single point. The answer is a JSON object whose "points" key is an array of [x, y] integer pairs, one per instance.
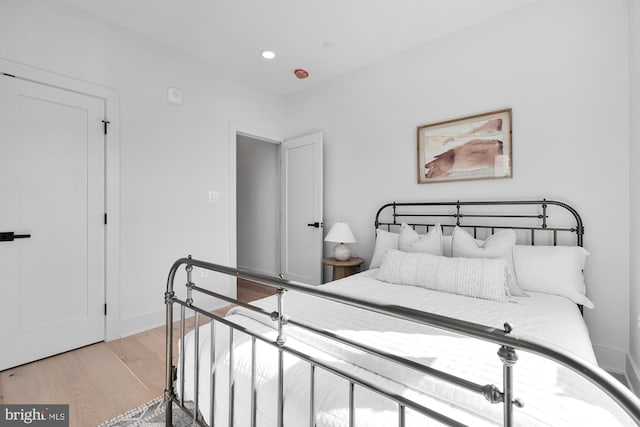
{"points": [[528, 216]]}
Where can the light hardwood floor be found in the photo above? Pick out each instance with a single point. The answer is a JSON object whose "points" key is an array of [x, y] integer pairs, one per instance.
{"points": [[102, 380]]}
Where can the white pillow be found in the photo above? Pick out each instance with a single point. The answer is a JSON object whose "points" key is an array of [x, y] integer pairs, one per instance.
{"points": [[446, 245], [553, 270], [410, 241], [498, 246], [475, 277], [385, 240]]}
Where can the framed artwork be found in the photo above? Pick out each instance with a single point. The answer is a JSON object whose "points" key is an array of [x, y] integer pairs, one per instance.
{"points": [[474, 147]]}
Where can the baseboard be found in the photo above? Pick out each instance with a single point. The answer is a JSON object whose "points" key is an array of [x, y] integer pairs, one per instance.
{"points": [[150, 320], [633, 375], [611, 359]]}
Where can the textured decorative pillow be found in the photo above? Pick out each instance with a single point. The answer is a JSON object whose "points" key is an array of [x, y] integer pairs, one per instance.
{"points": [[553, 270], [410, 241], [385, 240], [498, 246], [484, 278]]}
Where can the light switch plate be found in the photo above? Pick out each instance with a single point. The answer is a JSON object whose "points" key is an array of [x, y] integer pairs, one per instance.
{"points": [[214, 196]]}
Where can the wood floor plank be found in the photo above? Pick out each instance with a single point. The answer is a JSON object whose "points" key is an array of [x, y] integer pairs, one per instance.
{"points": [[250, 291], [142, 361], [92, 380], [103, 380]]}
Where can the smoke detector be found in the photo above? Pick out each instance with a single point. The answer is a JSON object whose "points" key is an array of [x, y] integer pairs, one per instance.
{"points": [[301, 73]]}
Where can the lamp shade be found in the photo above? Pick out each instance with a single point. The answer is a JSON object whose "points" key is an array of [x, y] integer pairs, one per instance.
{"points": [[340, 233]]}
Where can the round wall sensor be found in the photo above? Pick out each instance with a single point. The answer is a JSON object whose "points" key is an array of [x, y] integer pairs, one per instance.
{"points": [[301, 74], [174, 95]]}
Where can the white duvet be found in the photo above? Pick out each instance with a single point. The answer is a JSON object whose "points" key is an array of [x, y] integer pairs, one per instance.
{"points": [[552, 394]]}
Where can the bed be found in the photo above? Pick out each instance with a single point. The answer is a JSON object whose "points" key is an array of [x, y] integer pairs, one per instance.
{"points": [[362, 351]]}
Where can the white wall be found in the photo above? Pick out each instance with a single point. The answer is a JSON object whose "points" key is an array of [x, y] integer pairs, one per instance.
{"points": [[258, 205], [561, 66], [171, 157], [634, 144]]}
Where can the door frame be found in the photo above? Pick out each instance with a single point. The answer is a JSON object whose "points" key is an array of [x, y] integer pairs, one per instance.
{"points": [[235, 129], [111, 99]]}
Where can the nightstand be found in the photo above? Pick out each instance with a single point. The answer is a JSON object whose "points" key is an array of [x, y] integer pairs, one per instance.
{"points": [[343, 269]]}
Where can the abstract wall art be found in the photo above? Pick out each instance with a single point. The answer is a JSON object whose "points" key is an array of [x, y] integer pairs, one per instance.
{"points": [[473, 147]]}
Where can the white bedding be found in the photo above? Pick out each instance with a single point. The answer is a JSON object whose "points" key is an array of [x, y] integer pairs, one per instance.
{"points": [[552, 395]]}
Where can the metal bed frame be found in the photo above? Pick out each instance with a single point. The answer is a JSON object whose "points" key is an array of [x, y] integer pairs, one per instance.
{"points": [[449, 214], [400, 210]]}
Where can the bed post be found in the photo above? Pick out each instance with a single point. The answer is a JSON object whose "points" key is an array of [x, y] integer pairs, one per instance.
{"points": [[280, 340], [168, 390], [169, 296], [509, 358]]}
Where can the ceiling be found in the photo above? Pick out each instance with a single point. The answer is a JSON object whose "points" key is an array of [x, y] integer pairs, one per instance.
{"points": [[230, 34]]}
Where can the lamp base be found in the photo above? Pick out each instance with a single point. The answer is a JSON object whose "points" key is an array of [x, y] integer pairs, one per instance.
{"points": [[342, 252]]}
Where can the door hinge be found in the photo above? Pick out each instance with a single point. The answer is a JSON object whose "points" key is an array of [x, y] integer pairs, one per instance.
{"points": [[8, 75], [106, 125], [105, 218], [105, 308]]}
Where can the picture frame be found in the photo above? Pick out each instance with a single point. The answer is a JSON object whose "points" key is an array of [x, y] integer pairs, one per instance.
{"points": [[472, 147]]}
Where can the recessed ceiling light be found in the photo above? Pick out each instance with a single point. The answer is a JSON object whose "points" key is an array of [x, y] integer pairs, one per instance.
{"points": [[268, 54]]}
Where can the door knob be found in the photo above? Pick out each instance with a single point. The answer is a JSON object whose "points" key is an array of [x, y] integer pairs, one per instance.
{"points": [[314, 225], [10, 236]]}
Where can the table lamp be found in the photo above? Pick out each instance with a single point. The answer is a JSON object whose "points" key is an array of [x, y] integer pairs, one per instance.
{"points": [[341, 233]]}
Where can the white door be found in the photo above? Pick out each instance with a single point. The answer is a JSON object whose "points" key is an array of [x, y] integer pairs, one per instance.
{"points": [[51, 188], [302, 209]]}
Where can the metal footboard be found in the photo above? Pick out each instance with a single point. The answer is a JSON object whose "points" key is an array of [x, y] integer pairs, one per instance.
{"points": [[507, 346]]}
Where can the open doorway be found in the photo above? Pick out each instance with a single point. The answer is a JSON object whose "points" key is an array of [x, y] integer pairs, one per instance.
{"points": [[258, 205], [275, 204]]}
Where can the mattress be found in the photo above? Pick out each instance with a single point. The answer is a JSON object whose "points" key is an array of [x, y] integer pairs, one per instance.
{"points": [[552, 395]]}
